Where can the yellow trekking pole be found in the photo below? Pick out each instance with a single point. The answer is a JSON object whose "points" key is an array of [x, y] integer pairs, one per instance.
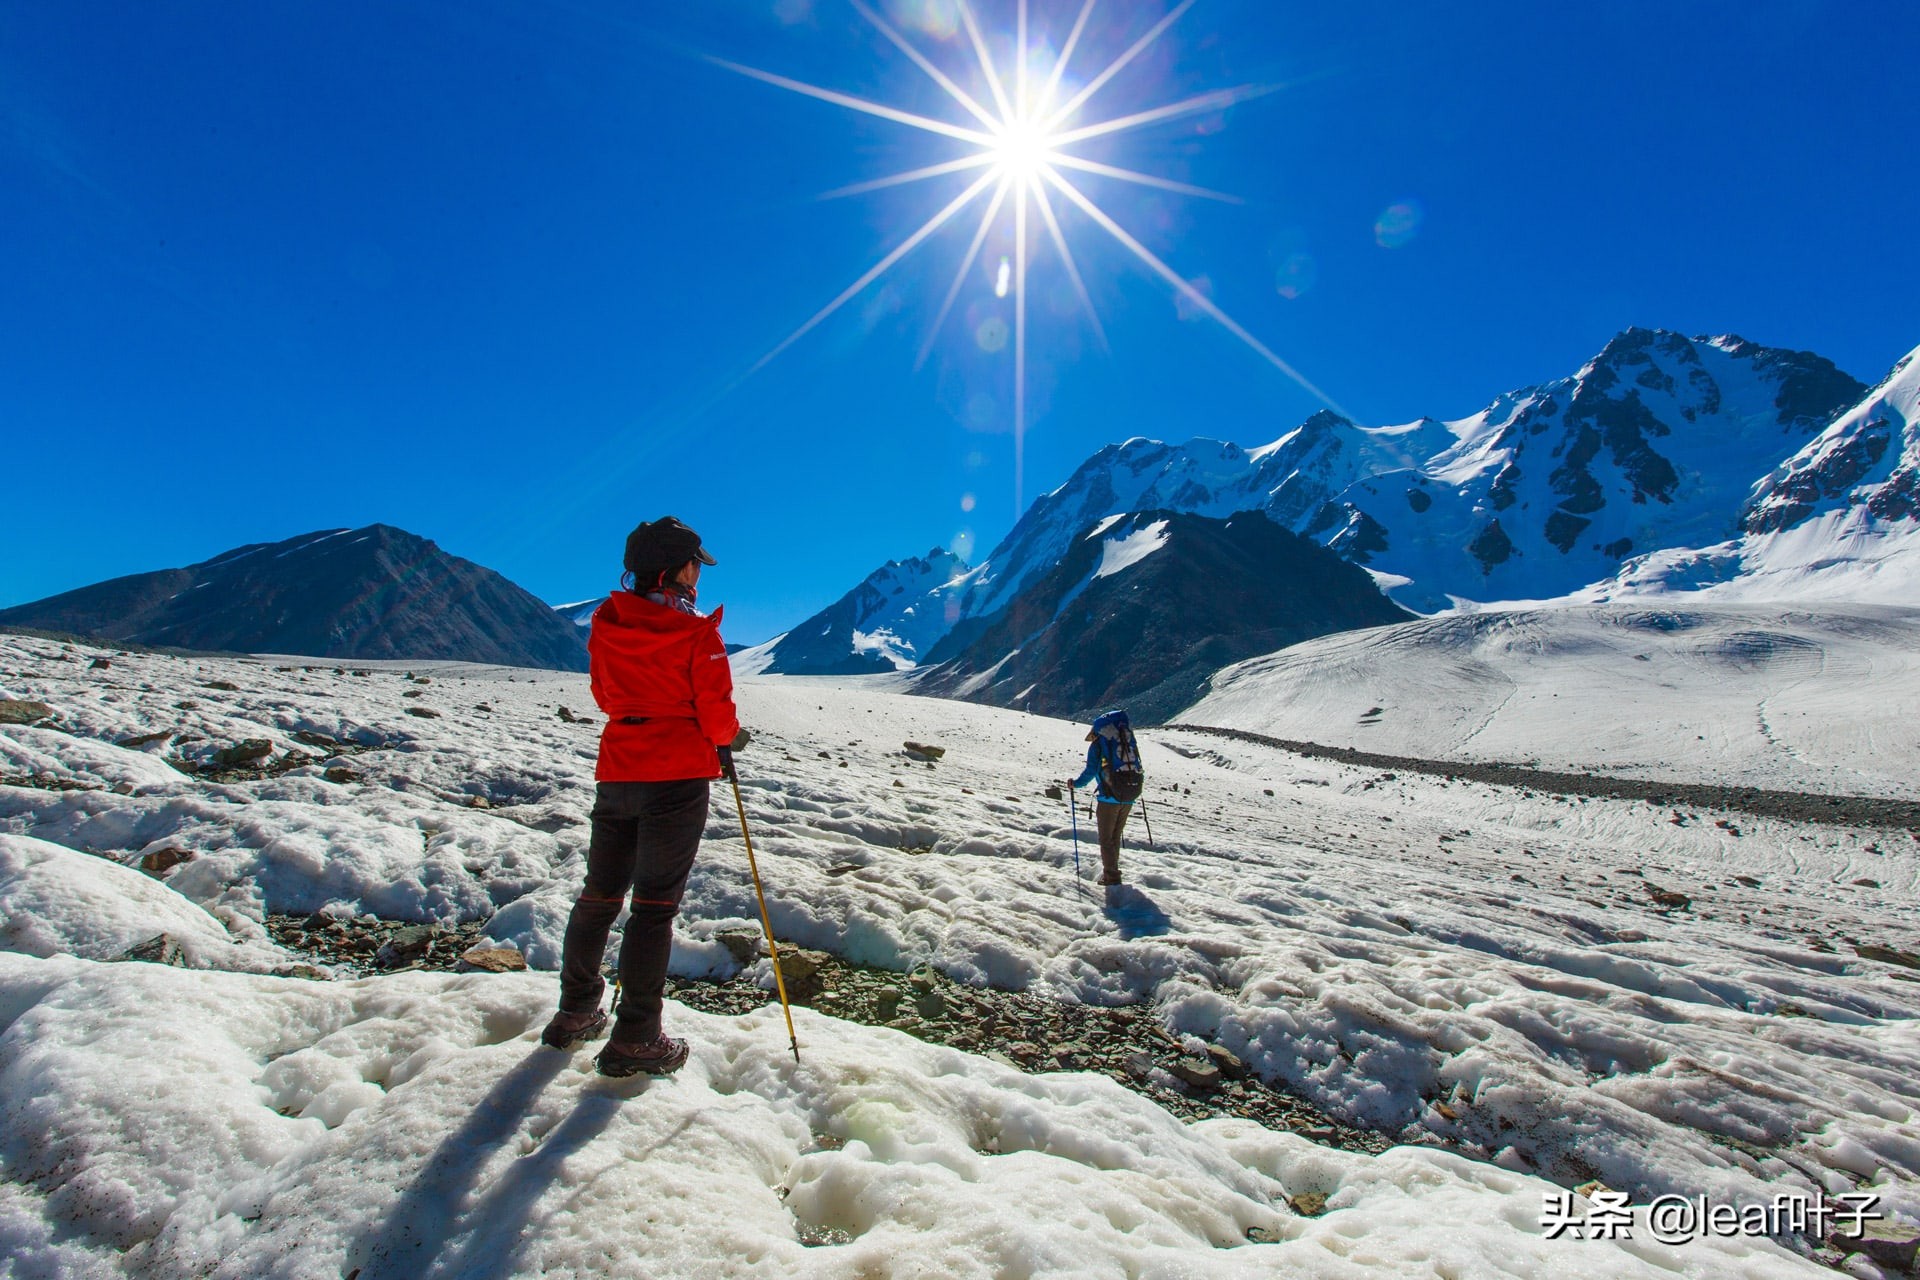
{"points": [[766, 923]]}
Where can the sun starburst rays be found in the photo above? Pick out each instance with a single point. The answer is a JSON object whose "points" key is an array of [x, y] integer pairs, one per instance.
{"points": [[1022, 142]]}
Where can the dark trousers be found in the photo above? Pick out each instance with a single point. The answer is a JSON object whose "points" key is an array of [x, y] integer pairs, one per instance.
{"points": [[645, 836], [1112, 820]]}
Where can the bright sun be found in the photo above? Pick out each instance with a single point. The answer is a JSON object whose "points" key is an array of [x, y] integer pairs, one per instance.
{"points": [[1023, 142], [1024, 151]]}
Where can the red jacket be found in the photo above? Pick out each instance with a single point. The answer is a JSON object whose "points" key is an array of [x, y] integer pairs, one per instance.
{"points": [[647, 660]]}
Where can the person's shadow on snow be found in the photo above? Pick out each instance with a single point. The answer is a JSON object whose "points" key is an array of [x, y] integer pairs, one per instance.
{"points": [[1134, 914], [441, 1206]]}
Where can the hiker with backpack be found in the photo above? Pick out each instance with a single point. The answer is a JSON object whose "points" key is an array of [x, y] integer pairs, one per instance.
{"points": [[661, 674], [1113, 763]]}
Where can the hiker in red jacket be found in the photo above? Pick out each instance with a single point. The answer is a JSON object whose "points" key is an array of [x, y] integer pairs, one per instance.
{"points": [[661, 675]]}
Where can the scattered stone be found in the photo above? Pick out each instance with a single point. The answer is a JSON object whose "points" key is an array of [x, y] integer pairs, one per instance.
{"points": [[161, 861], [163, 949], [406, 945], [100, 664], [478, 802], [1194, 1071], [305, 972], [923, 751], [800, 970], [1668, 898], [492, 959], [1263, 1235], [931, 1005], [481, 706], [1308, 1204], [922, 980], [568, 717], [1865, 883], [887, 1003], [14, 711], [1055, 793], [1229, 1063], [340, 773], [744, 945], [1888, 955], [225, 686], [425, 713], [139, 740], [245, 751], [1591, 1189], [1073, 1055], [1894, 1245]]}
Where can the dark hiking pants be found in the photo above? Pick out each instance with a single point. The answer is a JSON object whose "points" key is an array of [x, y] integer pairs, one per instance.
{"points": [[1112, 821], [645, 835]]}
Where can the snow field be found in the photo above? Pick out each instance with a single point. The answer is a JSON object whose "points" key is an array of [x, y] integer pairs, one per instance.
{"points": [[1459, 964], [1768, 696], [412, 1126]]}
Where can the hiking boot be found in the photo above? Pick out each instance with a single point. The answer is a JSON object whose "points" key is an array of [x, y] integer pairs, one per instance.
{"points": [[569, 1029], [660, 1056], [1109, 879]]}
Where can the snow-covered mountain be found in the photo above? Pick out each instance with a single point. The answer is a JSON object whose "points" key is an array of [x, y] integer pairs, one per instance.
{"points": [[883, 624], [1656, 442], [1838, 520], [580, 612], [374, 592], [1144, 607]]}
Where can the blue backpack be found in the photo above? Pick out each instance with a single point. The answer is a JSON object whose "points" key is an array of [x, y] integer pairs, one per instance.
{"points": [[1120, 773]]}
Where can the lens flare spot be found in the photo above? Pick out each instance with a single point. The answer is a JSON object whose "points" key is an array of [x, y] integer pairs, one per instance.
{"points": [[937, 18], [1296, 275], [1002, 278], [968, 502], [991, 336], [962, 544], [1186, 307], [793, 12], [981, 413], [1398, 224]]}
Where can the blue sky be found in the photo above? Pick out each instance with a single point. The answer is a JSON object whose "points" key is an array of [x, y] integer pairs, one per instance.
{"points": [[500, 273]]}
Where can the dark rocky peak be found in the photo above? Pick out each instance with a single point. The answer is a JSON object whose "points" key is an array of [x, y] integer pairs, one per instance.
{"points": [[372, 592], [1143, 608], [1812, 390], [1325, 421]]}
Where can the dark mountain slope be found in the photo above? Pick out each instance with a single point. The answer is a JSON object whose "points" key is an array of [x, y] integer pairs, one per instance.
{"points": [[377, 592]]}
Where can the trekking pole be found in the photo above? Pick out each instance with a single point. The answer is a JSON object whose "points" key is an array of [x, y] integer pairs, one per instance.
{"points": [[766, 922], [1073, 811], [1149, 821]]}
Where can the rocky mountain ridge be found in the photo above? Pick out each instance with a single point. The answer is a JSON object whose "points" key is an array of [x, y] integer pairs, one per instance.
{"points": [[370, 593], [1145, 607]]}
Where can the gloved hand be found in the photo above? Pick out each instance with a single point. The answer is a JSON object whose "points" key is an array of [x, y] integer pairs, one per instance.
{"points": [[726, 763]]}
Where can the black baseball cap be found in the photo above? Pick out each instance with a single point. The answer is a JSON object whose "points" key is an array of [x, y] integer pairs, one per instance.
{"points": [[663, 544]]}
